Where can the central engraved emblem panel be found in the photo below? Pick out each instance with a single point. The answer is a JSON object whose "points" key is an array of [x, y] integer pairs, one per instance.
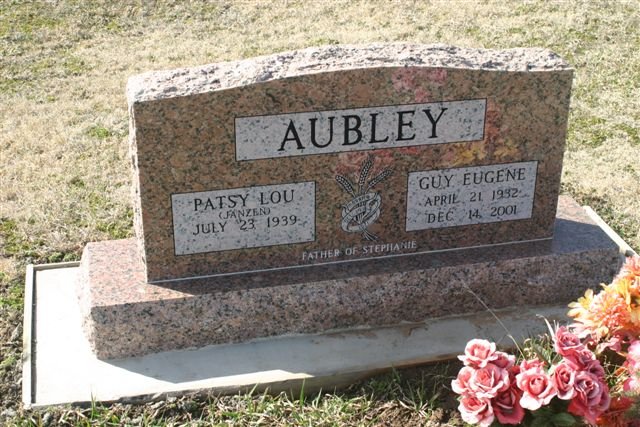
{"points": [[364, 207]]}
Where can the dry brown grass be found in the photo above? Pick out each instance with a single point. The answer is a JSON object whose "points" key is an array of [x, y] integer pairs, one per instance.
{"points": [[65, 174], [66, 177]]}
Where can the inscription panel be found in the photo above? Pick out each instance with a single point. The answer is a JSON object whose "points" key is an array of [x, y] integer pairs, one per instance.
{"points": [[473, 195], [239, 218], [323, 132]]}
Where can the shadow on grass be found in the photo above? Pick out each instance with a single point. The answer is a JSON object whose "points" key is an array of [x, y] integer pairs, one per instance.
{"points": [[416, 396]]}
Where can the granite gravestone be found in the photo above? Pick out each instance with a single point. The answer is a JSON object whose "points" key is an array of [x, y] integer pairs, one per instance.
{"points": [[332, 188], [338, 163]]}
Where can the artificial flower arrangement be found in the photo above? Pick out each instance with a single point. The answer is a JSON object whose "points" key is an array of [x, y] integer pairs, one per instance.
{"points": [[584, 373]]}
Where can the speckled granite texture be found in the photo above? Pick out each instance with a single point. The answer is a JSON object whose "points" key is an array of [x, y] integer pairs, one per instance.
{"points": [[126, 316], [183, 139]]}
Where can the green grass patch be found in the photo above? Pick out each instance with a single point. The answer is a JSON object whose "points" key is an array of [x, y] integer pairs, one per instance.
{"points": [[19, 18], [516, 31], [527, 8], [12, 291], [99, 211], [587, 131], [631, 132], [75, 66], [118, 228], [54, 66], [99, 132], [321, 41], [63, 257], [11, 86], [13, 244], [8, 362], [77, 182]]}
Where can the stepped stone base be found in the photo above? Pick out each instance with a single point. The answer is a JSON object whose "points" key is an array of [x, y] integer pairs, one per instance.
{"points": [[125, 316]]}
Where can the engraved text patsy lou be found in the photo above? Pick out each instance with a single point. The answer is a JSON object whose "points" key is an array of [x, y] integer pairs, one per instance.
{"points": [[240, 218], [364, 208]]}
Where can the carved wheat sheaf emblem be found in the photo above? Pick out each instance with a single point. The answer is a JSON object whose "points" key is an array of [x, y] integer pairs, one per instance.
{"points": [[364, 209]]}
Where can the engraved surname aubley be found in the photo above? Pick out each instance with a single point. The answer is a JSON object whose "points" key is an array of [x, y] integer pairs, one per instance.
{"points": [[472, 195], [238, 218], [324, 132], [354, 133]]}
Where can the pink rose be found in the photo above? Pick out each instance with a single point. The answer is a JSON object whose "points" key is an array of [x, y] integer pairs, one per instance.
{"points": [[525, 365], [580, 359], [632, 384], [476, 411], [566, 343], [513, 371], [605, 399], [506, 406], [634, 350], [461, 384], [613, 342], [478, 353], [564, 377], [633, 357], [488, 381], [537, 388], [594, 367], [591, 398], [504, 360]]}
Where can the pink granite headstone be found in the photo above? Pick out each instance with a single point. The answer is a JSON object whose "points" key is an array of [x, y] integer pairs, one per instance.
{"points": [[340, 154], [336, 187]]}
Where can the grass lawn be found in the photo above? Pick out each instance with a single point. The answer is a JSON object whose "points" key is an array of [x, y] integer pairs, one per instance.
{"points": [[65, 177]]}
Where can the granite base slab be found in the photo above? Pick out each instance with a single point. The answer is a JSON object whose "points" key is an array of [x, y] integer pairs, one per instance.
{"points": [[56, 374], [125, 316]]}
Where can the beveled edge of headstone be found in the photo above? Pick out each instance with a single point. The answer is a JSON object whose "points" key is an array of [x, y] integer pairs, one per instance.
{"points": [[157, 85]]}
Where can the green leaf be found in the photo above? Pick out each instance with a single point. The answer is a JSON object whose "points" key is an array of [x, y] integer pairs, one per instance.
{"points": [[544, 412], [563, 420], [544, 354], [540, 422]]}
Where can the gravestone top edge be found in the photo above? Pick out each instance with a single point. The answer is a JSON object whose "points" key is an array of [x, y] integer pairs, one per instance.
{"points": [[158, 85]]}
